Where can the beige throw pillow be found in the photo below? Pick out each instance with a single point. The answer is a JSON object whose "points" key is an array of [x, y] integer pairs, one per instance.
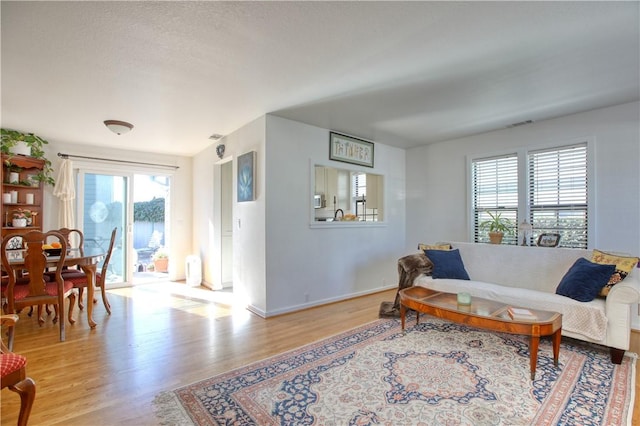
{"points": [[624, 265]]}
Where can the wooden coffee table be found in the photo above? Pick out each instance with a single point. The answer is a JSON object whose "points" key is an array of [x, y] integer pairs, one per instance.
{"points": [[485, 314]]}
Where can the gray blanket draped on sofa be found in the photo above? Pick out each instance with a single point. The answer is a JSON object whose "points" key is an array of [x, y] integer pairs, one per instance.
{"points": [[409, 267]]}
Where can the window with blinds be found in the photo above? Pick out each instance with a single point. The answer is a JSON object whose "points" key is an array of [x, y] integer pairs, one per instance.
{"points": [[558, 193], [362, 202], [495, 191]]}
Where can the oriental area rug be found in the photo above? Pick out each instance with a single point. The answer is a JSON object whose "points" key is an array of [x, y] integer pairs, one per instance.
{"points": [[436, 373]]}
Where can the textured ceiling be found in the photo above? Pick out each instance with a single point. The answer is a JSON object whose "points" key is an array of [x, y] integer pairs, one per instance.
{"points": [[401, 73]]}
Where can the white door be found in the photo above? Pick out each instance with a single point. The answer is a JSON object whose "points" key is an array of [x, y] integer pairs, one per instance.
{"points": [[226, 220]]}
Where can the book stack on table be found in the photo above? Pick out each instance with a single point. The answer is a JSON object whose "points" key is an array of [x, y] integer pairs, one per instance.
{"points": [[521, 314]]}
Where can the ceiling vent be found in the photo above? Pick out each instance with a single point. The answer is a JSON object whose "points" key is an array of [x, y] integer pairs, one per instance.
{"points": [[521, 123]]}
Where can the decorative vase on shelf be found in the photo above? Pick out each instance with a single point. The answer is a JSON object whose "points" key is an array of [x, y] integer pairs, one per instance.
{"points": [[21, 148], [19, 223]]}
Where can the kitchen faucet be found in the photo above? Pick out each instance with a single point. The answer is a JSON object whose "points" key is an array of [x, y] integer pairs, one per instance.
{"points": [[335, 215]]}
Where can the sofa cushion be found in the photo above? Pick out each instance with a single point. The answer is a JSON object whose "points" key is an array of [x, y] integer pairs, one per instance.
{"points": [[584, 280], [624, 265], [447, 264]]}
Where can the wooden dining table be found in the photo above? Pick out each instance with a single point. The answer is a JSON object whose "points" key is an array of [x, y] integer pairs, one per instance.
{"points": [[88, 262]]}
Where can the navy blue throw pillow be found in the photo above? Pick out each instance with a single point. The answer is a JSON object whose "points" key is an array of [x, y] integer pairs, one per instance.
{"points": [[447, 264], [584, 280]]}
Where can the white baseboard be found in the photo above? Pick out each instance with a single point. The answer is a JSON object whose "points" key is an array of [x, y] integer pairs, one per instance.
{"points": [[313, 304]]}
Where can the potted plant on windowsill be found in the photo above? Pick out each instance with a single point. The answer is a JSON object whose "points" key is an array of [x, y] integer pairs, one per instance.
{"points": [[15, 143], [498, 226], [161, 260]]}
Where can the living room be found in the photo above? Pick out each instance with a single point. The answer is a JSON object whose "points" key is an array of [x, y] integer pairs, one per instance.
{"points": [[281, 263]]}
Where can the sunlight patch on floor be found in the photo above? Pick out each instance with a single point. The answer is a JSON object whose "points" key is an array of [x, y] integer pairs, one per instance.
{"points": [[195, 300]]}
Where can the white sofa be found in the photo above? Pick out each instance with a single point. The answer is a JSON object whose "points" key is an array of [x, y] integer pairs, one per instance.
{"points": [[528, 277]]}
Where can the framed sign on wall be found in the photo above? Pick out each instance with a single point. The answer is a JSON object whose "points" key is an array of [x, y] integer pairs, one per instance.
{"points": [[350, 150]]}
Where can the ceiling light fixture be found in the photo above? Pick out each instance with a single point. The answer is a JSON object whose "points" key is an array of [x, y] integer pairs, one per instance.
{"points": [[118, 127], [216, 137]]}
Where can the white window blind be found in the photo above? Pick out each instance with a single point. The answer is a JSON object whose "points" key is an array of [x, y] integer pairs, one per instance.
{"points": [[359, 197], [359, 185], [558, 193], [495, 190]]}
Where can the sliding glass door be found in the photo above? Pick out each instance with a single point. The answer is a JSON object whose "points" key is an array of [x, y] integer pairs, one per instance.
{"points": [[150, 228], [136, 203], [103, 205]]}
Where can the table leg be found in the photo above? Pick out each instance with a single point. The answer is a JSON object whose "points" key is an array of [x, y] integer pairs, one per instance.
{"points": [[403, 313], [533, 354], [557, 336], [90, 270]]}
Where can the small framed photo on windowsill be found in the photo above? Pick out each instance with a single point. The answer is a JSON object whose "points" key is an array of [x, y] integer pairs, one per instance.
{"points": [[548, 240]]}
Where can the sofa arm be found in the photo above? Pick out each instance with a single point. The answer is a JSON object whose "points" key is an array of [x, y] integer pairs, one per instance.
{"points": [[626, 292], [618, 311]]}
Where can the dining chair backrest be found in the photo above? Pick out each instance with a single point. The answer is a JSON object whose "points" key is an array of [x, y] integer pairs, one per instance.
{"points": [[80, 282], [74, 237], [35, 263], [105, 264]]}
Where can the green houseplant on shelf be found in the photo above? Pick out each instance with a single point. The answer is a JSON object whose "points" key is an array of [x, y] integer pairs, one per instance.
{"points": [[497, 226], [15, 143]]}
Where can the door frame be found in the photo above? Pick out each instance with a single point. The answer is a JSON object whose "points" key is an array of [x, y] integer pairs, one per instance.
{"points": [[96, 167], [126, 231], [216, 255]]}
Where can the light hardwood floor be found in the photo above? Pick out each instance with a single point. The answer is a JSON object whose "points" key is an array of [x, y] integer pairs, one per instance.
{"points": [[156, 341]]}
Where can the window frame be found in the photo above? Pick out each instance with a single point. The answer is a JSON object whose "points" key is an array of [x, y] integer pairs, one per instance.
{"points": [[523, 184], [564, 180], [379, 223], [506, 209]]}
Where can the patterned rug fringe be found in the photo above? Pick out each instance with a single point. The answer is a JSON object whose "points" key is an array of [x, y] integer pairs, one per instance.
{"points": [[632, 393], [169, 411]]}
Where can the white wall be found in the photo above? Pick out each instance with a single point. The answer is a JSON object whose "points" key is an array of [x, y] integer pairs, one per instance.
{"points": [[437, 208], [249, 278], [281, 263], [305, 265], [249, 231], [437, 176], [180, 202], [206, 232]]}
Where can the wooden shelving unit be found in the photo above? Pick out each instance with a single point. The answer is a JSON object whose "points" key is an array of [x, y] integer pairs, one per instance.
{"points": [[28, 167]]}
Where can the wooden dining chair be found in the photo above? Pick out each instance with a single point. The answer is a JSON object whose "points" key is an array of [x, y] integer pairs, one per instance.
{"points": [[80, 280], [75, 241], [13, 373], [37, 291], [15, 246]]}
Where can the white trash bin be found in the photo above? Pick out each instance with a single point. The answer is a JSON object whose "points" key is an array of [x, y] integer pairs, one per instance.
{"points": [[193, 269]]}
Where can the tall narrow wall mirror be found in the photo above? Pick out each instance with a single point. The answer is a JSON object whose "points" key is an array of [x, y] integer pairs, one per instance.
{"points": [[347, 195]]}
